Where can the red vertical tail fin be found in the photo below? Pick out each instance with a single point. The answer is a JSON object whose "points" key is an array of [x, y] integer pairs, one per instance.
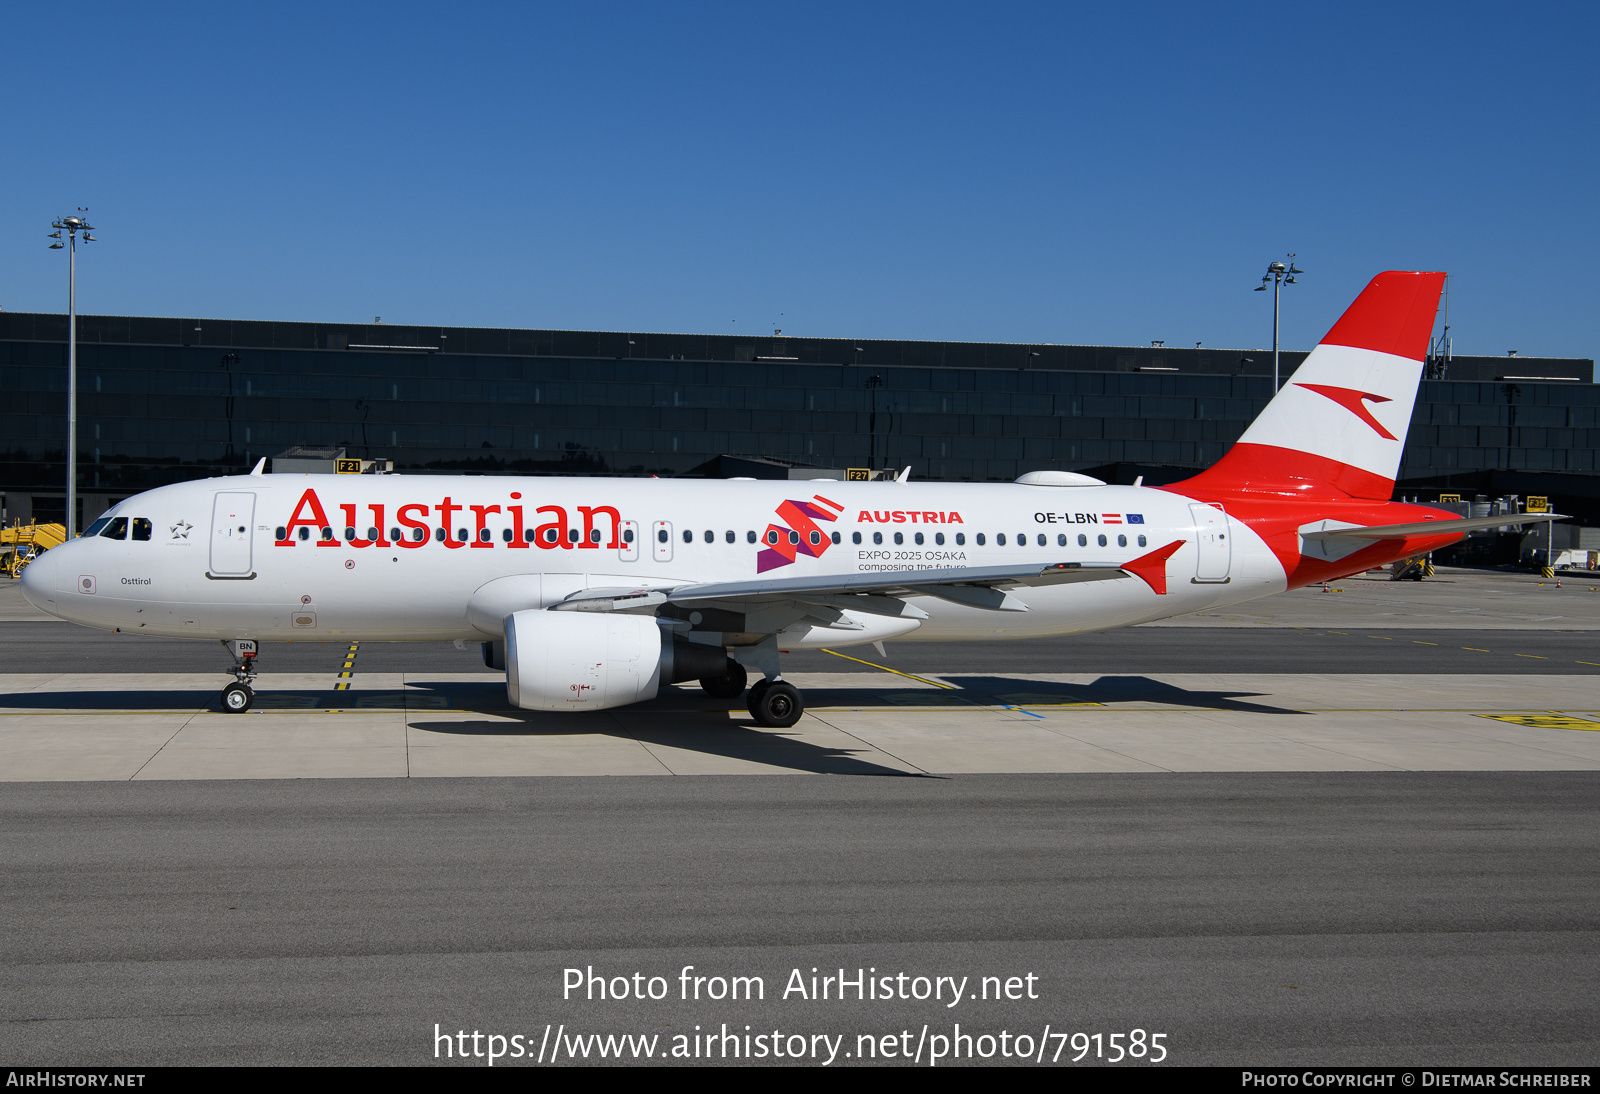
{"points": [[1338, 427]]}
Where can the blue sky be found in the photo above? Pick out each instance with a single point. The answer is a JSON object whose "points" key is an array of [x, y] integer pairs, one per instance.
{"points": [[1010, 172]]}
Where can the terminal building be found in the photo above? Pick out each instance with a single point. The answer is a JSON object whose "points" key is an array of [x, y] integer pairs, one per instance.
{"points": [[166, 400]]}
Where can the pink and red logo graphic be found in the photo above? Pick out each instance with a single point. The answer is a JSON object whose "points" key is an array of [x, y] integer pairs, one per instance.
{"points": [[799, 534]]}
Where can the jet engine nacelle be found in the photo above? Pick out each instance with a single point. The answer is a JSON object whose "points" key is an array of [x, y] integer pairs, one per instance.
{"points": [[594, 660]]}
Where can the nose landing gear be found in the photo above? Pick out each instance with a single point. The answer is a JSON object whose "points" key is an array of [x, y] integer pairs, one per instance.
{"points": [[239, 696]]}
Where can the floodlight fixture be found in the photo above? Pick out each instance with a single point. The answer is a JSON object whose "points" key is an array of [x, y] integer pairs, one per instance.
{"points": [[1277, 276]]}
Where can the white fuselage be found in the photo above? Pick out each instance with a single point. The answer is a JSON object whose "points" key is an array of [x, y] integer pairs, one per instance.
{"points": [[225, 558]]}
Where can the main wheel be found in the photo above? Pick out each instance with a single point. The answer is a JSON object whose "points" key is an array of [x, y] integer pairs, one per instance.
{"points": [[730, 685], [236, 698], [776, 704]]}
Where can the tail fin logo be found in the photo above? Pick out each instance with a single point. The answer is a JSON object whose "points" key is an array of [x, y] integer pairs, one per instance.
{"points": [[799, 535], [1351, 400]]}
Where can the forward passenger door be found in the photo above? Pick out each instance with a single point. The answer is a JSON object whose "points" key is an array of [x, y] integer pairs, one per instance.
{"points": [[232, 517]]}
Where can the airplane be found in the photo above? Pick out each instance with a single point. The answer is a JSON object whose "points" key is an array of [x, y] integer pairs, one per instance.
{"points": [[593, 593]]}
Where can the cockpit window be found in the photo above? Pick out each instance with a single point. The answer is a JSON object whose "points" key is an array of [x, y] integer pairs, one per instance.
{"points": [[116, 528], [141, 528], [94, 529]]}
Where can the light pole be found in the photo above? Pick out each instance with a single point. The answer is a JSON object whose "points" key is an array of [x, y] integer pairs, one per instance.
{"points": [[874, 382], [1277, 275], [72, 225]]}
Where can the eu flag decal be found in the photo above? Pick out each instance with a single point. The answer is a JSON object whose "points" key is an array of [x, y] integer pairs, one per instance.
{"points": [[1135, 518]]}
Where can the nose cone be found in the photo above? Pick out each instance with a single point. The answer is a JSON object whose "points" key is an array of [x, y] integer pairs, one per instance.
{"points": [[45, 581]]}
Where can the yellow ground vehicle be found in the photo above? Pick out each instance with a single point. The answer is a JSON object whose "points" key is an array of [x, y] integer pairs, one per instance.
{"points": [[21, 543]]}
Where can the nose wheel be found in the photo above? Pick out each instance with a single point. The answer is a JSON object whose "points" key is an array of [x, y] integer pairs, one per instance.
{"points": [[239, 696], [776, 704]]}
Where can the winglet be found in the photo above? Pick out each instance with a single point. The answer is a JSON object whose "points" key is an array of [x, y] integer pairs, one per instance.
{"points": [[1152, 568]]}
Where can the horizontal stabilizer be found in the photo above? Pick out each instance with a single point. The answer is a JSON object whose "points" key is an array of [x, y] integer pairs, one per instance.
{"points": [[1432, 527]]}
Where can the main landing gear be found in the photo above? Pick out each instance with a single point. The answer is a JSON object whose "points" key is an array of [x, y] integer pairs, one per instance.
{"points": [[730, 685], [773, 703], [776, 703], [238, 696]]}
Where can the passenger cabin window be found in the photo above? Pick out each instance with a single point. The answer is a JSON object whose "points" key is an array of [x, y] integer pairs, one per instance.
{"points": [[1083, 540], [938, 539], [980, 539], [899, 538], [1061, 540], [118, 529], [1102, 541], [627, 535], [877, 537], [1122, 541], [749, 537], [688, 536], [661, 536], [961, 539], [305, 533], [836, 537], [141, 528], [1000, 540], [730, 536], [711, 537], [1141, 541], [855, 537]]}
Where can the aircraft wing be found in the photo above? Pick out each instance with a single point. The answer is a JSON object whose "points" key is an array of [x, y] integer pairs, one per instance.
{"points": [[900, 582], [877, 593], [1432, 527]]}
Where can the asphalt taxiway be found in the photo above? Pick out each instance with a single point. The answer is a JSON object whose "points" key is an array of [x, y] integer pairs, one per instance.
{"points": [[1254, 919], [1346, 827]]}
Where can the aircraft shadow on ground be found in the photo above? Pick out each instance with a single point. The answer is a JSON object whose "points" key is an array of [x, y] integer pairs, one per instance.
{"points": [[991, 690], [680, 719], [134, 702], [489, 697]]}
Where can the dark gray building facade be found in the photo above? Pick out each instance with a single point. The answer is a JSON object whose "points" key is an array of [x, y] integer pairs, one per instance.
{"points": [[164, 400]]}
